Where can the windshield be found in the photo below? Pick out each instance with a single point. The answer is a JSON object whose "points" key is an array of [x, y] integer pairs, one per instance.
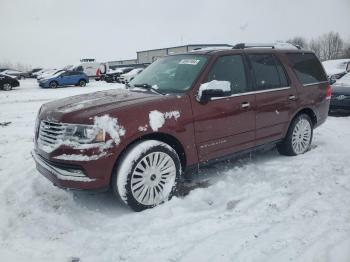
{"points": [[171, 74]]}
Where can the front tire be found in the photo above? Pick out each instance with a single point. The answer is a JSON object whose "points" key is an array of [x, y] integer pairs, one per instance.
{"points": [[53, 84], [82, 83], [147, 175], [299, 137]]}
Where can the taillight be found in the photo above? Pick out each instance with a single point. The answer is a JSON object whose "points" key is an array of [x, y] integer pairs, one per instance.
{"points": [[328, 92]]}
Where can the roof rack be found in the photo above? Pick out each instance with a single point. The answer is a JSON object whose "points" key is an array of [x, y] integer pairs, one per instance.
{"points": [[272, 46]]}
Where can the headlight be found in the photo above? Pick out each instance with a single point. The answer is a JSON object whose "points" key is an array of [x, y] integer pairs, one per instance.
{"points": [[84, 134]]}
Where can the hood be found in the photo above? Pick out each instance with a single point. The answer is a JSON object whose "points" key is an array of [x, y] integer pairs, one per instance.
{"points": [[90, 105], [341, 89]]}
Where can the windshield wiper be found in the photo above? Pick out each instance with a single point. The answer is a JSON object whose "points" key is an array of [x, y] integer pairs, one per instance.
{"points": [[148, 87]]}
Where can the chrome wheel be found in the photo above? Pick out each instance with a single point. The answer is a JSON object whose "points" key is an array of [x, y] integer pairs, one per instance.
{"points": [[301, 136], [153, 179], [7, 87]]}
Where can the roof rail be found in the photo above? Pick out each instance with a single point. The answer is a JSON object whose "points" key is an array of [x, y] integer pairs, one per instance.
{"points": [[277, 45], [245, 45]]}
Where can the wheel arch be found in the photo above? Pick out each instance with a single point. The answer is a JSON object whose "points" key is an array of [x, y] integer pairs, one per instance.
{"points": [[162, 137], [308, 111]]}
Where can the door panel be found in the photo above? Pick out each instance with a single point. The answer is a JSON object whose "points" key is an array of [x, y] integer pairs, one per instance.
{"points": [[273, 112], [275, 99], [223, 126]]}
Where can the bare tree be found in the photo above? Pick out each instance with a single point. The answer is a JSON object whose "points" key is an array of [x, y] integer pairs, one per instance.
{"points": [[331, 46], [346, 51], [315, 46], [298, 41]]}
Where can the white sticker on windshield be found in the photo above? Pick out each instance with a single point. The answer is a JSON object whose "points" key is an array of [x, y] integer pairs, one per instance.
{"points": [[189, 62]]}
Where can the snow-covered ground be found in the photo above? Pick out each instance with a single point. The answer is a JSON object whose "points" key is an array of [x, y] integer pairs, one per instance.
{"points": [[263, 207]]}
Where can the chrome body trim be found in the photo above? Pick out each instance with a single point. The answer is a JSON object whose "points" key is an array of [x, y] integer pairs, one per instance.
{"points": [[62, 174], [254, 92]]}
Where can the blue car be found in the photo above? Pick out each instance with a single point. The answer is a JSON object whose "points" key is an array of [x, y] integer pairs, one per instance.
{"points": [[64, 78]]}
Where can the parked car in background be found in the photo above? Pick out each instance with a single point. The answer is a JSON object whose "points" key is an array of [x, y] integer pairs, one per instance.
{"points": [[3, 69], [182, 112], [32, 73], [340, 100], [8, 82], [16, 73], [64, 78], [48, 73], [127, 77], [336, 69], [113, 74]]}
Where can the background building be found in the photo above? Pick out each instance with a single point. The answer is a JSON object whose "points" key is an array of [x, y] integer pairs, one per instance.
{"points": [[149, 56]]}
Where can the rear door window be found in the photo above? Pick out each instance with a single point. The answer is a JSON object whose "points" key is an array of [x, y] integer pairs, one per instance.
{"points": [[307, 68], [268, 72], [230, 68]]}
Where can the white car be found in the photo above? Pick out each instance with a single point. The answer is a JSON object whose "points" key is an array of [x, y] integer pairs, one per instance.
{"points": [[127, 77], [47, 73], [336, 69]]}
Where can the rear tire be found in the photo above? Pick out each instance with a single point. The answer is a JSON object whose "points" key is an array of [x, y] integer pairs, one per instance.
{"points": [[7, 86], [82, 82], [147, 175], [299, 137]]}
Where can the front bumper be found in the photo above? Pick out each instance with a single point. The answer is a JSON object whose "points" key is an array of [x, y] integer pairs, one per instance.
{"points": [[340, 104], [65, 176]]}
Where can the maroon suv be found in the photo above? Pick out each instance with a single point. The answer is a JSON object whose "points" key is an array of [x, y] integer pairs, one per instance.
{"points": [[181, 112]]}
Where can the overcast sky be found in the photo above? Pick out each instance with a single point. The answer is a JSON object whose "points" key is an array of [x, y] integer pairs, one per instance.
{"points": [[54, 33]]}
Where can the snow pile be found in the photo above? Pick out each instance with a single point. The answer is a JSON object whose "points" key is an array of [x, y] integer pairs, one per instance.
{"points": [[77, 106], [214, 85], [110, 125], [157, 118]]}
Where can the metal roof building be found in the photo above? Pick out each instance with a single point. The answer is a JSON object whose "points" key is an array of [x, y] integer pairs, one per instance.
{"points": [[149, 56]]}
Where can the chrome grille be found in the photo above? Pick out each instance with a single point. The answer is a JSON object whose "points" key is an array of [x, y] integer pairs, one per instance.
{"points": [[50, 133]]}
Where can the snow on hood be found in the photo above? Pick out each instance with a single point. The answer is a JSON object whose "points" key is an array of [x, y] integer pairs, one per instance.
{"points": [[97, 102], [4, 74]]}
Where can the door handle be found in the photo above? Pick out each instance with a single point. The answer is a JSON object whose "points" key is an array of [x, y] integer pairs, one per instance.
{"points": [[245, 105], [292, 97]]}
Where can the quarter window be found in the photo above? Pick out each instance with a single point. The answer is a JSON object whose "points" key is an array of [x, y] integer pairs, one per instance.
{"points": [[307, 68], [268, 72], [231, 69]]}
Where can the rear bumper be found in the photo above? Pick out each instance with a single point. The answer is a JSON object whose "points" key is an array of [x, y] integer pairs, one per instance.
{"points": [[65, 176]]}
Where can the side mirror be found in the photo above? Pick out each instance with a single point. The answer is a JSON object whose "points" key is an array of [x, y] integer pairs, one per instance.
{"points": [[213, 89], [332, 81]]}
